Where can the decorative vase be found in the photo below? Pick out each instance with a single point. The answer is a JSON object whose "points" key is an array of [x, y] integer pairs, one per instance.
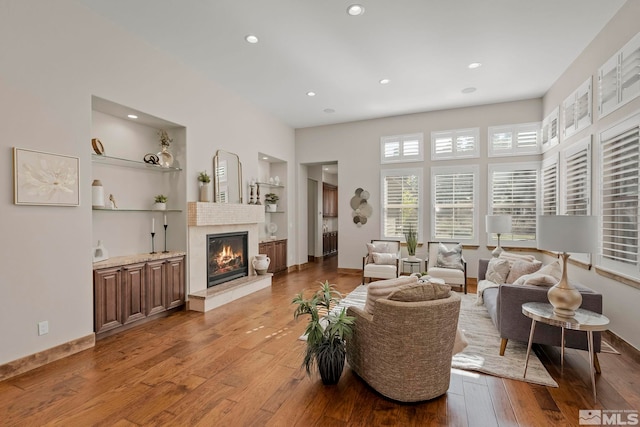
{"points": [[330, 363], [204, 192], [261, 263], [271, 207], [160, 206], [165, 158], [97, 194]]}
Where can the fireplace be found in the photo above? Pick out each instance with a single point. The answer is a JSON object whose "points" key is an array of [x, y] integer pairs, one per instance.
{"points": [[226, 257]]}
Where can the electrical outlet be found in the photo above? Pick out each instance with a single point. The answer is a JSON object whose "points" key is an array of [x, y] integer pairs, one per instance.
{"points": [[43, 327]]}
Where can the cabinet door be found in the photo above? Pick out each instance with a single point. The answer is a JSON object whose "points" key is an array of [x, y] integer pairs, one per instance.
{"points": [[329, 200], [281, 255], [107, 299], [269, 249], [155, 287], [133, 293], [175, 282]]}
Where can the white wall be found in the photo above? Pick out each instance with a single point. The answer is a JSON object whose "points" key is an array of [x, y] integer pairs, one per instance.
{"points": [[53, 57], [620, 300], [356, 147]]}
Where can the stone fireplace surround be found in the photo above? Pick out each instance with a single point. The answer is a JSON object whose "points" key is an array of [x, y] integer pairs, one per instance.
{"points": [[213, 218]]}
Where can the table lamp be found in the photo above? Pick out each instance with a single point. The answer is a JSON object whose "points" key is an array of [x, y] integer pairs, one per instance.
{"points": [[498, 224], [566, 233]]}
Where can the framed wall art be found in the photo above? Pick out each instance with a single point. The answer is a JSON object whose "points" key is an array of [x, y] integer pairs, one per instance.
{"points": [[45, 179]]}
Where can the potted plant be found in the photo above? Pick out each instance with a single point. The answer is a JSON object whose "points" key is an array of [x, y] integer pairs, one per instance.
{"points": [[165, 158], [204, 180], [412, 241], [271, 201], [326, 334], [161, 202]]}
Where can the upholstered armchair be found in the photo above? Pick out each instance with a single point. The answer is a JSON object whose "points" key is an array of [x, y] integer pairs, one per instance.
{"points": [[403, 350], [451, 267], [382, 260]]}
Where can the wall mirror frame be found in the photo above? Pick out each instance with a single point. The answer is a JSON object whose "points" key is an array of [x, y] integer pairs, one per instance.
{"points": [[227, 177]]}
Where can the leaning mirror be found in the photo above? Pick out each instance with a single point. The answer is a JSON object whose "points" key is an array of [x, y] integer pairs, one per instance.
{"points": [[227, 177]]}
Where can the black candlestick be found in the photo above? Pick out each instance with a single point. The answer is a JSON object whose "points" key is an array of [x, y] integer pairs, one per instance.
{"points": [[165, 240], [153, 235], [258, 194]]}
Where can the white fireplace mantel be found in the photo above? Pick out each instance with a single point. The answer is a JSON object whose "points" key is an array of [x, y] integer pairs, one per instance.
{"points": [[213, 218]]}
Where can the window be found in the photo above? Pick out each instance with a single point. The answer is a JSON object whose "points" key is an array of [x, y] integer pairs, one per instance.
{"points": [[513, 190], [401, 148], [620, 164], [514, 140], [577, 178], [455, 144], [618, 78], [549, 134], [549, 185], [577, 109], [401, 202], [455, 204]]}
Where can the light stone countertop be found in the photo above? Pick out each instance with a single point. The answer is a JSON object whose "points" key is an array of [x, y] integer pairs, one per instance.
{"points": [[135, 258]]}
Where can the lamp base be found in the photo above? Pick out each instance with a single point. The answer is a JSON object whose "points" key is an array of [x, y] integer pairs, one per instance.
{"points": [[564, 298], [498, 250]]}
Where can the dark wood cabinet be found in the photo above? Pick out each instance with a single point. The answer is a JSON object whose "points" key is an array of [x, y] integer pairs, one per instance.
{"points": [[329, 200], [277, 252], [330, 243], [128, 294], [133, 294]]}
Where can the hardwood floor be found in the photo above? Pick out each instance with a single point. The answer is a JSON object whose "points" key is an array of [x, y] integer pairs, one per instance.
{"points": [[239, 365]]}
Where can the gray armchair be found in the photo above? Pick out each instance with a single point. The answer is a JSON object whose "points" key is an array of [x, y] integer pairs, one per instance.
{"points": [[404, 349]]}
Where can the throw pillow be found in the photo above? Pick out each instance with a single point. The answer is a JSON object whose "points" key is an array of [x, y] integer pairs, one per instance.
{"points": [[450, 257], [420, 292], [498, 270], [551, 272], [520, 268], [384, 259], [513, 257], [538, 279], [382, 288]]}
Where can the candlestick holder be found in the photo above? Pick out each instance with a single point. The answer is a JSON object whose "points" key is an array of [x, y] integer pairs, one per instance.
{"points": [[258, 194], [165, 239], [153, 250], [251, 196]]}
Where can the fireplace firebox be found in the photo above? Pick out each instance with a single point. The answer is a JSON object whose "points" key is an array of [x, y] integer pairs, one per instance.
{"points": [[226, 257]]}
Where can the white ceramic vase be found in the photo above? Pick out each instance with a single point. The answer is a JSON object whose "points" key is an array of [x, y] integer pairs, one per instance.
{"points": [[271, 207], [261, 263], [160, 206], [204, 192]]}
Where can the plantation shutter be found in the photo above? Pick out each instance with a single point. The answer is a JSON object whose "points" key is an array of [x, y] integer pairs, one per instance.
{"points": [[454, 206], [620, 168], [401, 148], [549, 186], [514, 140], [459, 143], [578, 181], [618, 78], [400, 198], [513, 192]]}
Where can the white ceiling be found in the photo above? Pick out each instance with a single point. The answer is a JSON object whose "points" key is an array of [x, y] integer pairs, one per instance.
{"points": [[422, 46]]}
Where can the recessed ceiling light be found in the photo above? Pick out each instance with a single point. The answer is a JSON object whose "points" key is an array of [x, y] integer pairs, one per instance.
{"points": [[265, 158], [132, 116], [311, 93], [329, 110], [326, 169], [251, 39], [468, 90], [355, 10], [474, 65], [384, 81]]}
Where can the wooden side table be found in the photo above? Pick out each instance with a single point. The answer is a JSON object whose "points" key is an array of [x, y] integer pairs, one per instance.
{"points": [[583, 320]]}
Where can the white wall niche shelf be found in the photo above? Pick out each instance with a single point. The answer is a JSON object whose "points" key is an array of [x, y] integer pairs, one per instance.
{"points": [[136, 210], [269, 185], [116, 161]]}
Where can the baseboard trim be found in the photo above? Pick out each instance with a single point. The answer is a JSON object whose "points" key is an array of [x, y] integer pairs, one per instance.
{"points": [[27, 363], [353, 271], [622, 346]]}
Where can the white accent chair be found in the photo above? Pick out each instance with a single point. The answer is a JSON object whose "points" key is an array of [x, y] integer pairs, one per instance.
{"points": [[451, 276], [389, 268]]}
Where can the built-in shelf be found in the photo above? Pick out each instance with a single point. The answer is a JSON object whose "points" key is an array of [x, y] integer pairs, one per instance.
{"points": [[116, 161], [269, 185], [274, 212], [135, 210]]}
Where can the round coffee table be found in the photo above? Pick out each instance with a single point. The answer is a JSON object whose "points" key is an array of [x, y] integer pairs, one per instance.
{"points": [[583, 320]]}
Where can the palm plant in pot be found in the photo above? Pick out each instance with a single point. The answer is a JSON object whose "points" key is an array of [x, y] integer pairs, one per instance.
{"points": [[326, 333], [412, 241], [271, 201]]}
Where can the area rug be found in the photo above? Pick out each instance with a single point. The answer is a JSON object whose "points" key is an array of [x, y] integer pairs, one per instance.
{"points": [[483, 352]]}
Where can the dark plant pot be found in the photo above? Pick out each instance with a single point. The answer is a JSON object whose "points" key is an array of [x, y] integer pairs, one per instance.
{"points": [[330, 360]]}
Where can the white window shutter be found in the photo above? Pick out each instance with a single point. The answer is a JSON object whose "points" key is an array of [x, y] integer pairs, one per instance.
{"points": [[401, 148], [549, 185], [455, 203], [401, 202]]}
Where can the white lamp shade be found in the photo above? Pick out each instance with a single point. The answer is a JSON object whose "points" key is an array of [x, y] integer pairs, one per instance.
{"points": [[498, 224], [567, 233]]}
